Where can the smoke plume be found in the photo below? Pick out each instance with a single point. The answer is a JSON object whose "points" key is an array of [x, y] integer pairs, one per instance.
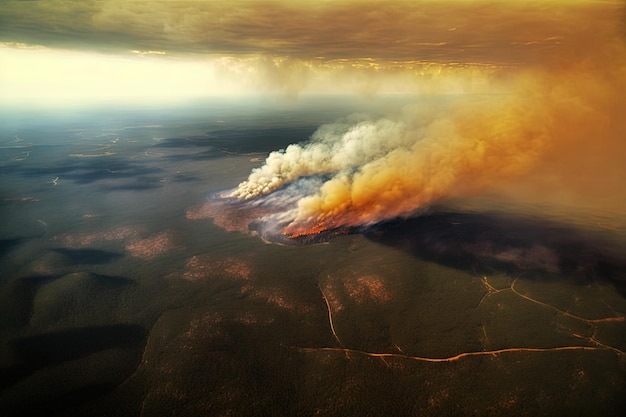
{"points": [[544, 118]]}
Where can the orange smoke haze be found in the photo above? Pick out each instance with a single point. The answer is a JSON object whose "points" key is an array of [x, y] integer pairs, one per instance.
{"points": [[550, 128], [172, 49]]}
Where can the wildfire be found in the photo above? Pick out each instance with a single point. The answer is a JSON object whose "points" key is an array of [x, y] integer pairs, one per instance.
{"points": [[294, 232]]}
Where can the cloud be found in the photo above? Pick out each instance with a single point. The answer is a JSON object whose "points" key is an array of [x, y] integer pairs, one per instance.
{"points": [[450, 31], [365, 47]]}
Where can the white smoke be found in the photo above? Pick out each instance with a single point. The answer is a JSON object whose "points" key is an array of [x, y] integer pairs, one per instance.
{"points": [[338, 147]]}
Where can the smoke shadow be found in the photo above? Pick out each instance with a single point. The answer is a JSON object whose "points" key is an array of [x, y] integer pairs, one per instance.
{"points": [[70, 402], [87, 256], [89, 170], [209, 155], [17, 298], [111, 281], [137, 186], [7, 245], [184, 142], [43, 350], [182, 178], [242, 140], [485, 242], [250, 140]]}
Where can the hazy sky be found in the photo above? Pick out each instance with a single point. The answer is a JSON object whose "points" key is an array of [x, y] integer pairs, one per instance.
{"points": [[87, 49]]}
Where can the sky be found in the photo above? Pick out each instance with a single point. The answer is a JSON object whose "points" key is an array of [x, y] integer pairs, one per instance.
{"points": [[55, 50]]}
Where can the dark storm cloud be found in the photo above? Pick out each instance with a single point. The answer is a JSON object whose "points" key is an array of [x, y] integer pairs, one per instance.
{"points": [[450, 31]]}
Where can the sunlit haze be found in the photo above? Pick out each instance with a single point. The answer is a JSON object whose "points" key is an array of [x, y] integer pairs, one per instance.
{"points": [[60, 50]]}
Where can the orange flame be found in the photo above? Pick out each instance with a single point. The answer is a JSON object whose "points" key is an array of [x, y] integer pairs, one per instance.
{"points": [[293, 231]]}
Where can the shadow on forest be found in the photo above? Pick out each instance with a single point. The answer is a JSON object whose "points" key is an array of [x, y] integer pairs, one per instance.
{"points": [[87, 256], [43, 350], [483, 242]]}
